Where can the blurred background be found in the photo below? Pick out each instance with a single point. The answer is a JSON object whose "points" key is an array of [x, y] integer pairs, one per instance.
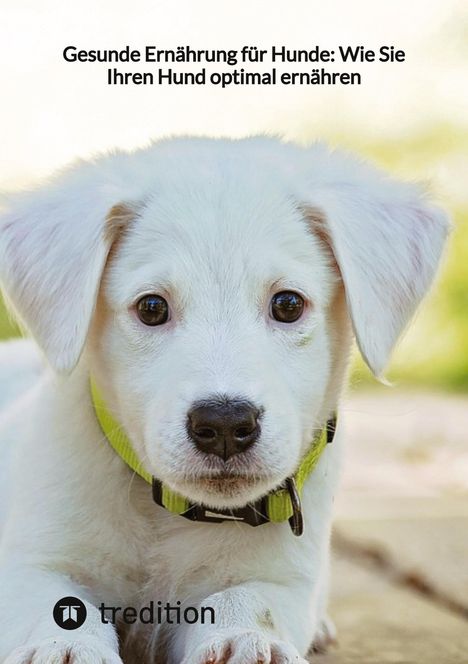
{"points": [[406, 480]]}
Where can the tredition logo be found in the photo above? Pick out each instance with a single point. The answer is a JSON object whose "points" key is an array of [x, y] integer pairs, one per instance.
{"points": [[70, 613]]}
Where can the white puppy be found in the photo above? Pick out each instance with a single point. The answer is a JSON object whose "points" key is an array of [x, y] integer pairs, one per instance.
{"points": [[209, 288]]}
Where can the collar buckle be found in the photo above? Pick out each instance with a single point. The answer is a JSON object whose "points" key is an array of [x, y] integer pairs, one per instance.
{"points": [[252, 514], [296, 521]]}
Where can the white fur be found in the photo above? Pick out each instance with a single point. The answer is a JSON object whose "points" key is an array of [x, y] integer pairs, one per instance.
{"points": [[218, 227]]}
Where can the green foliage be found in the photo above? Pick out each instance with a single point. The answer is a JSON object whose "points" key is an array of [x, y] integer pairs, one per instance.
{"points": [[7, 325]]}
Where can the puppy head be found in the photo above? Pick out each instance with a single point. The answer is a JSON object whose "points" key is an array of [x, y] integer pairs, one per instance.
{"points": [[216, 267]]}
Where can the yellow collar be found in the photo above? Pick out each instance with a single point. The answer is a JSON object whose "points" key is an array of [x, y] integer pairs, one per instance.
{"points": [[283, 504]]}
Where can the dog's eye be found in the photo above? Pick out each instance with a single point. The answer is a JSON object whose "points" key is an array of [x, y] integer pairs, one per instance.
{"points": [[152, 310], [287, 306]]}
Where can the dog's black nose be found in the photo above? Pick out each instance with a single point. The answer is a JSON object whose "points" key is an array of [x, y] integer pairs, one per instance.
{"points": [[223, 426]]}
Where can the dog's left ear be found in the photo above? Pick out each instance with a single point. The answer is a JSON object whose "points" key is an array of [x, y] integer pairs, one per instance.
{"points": [[387, 240], [53, 247]]}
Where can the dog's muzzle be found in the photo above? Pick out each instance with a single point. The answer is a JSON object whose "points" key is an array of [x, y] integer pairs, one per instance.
{"points": [[279, 505]]}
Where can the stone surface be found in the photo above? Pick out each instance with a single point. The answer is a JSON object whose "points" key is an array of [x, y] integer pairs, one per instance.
{"points": [[380, 623], [431, 551]]}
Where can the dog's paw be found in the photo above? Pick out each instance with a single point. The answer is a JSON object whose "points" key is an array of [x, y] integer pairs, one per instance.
{"points": [[245, 647], [324, 636], [61, 651]]}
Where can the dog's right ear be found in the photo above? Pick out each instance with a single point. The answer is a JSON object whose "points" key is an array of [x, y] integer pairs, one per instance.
{"points": [[53, 247]]}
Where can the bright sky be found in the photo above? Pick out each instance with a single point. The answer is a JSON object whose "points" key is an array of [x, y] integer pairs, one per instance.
{"points": [[53, 111]]}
